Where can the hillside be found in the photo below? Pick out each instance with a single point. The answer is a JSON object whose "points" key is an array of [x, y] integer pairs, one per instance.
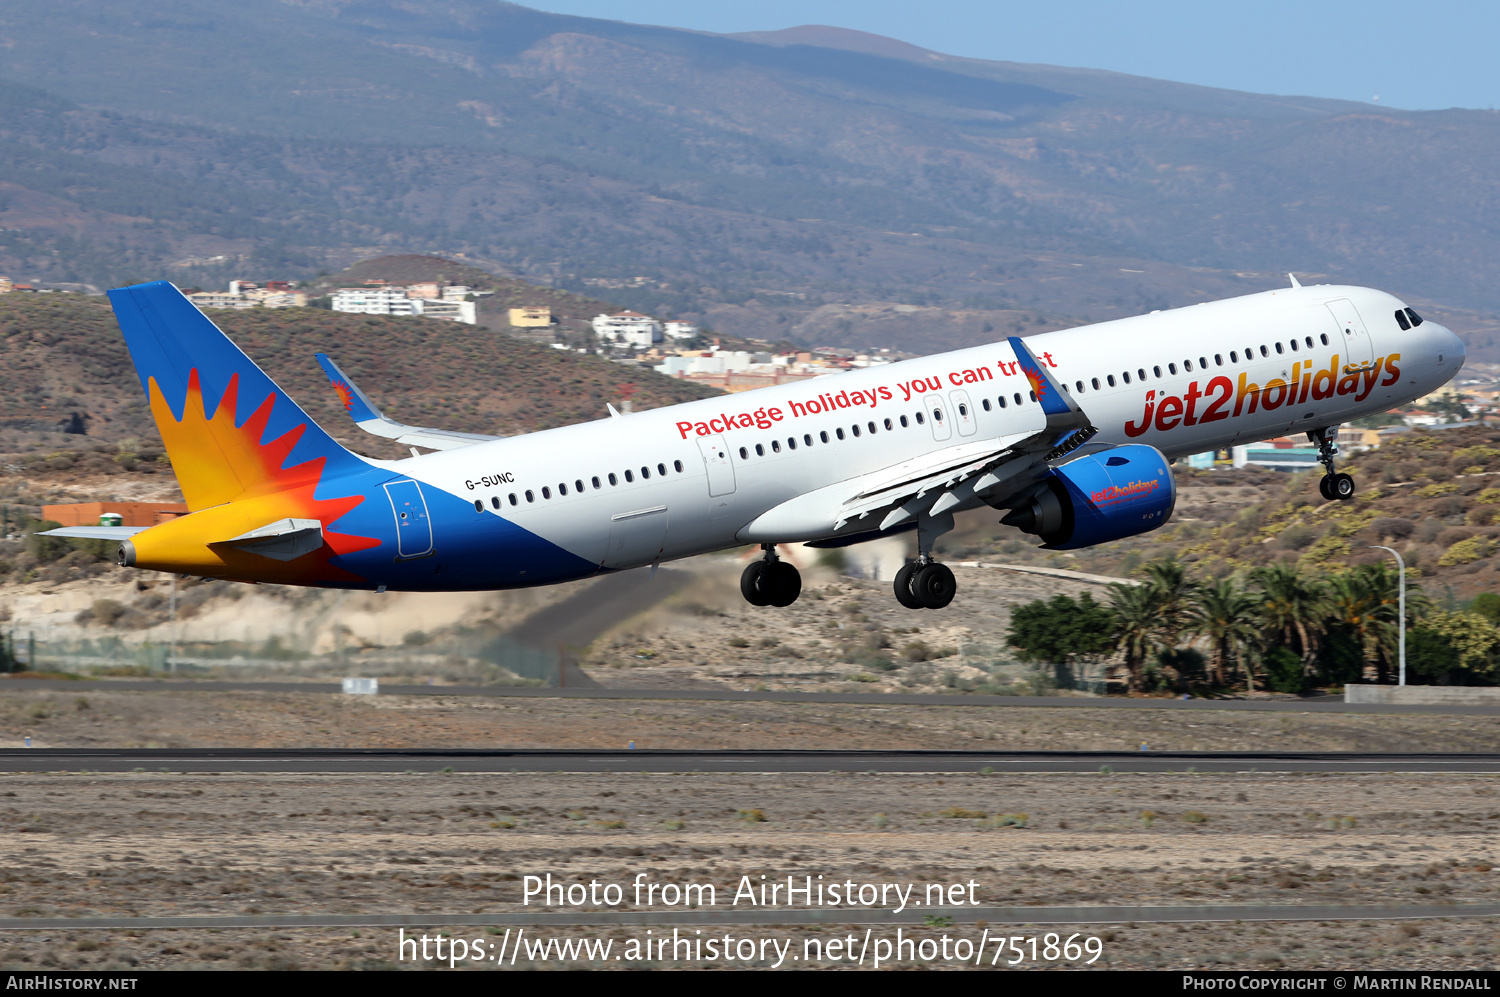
{"points": [[62, 356], [744, 182]]}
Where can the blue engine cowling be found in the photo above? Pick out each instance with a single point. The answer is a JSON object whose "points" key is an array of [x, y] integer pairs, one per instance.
{"points": [[1104, 496]]}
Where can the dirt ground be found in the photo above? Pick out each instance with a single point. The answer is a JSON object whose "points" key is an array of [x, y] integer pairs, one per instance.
{"points": [[152, 843], [93, 716]]}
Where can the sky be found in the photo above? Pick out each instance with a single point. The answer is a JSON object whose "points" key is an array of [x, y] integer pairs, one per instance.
{"points": [[1419, 56]]}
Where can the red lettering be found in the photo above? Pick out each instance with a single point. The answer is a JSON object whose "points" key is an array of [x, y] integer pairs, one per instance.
{"points": [[1133, 429], [1191, 395], [954, 377], [1169, 408], [1247, 389], [683, 427], [1215, 411], [1370, 377], [1283, 396], [1325, 380]]}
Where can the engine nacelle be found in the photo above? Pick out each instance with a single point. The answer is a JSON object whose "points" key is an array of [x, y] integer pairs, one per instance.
{"points": [[1101, 497]]}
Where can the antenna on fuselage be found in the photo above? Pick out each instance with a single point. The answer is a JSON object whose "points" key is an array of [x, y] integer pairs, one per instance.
{"points": [[1295, 281]]}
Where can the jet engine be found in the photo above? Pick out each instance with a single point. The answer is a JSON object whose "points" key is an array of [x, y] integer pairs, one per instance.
{"points": [[1103, 496]]}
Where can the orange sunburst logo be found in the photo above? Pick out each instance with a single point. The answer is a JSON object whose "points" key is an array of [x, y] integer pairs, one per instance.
{"points": [[345, 395], [1034, 377], [234, 483]]}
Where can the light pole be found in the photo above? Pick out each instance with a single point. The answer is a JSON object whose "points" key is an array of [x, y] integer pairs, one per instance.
{"points": [[1401, 601]]}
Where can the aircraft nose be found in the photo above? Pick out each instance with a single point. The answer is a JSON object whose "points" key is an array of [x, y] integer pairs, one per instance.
{"points": [[1449, 348]]}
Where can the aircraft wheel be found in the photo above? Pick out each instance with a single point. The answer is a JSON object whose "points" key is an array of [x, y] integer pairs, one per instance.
{"points": [[1323, 487], [1342, 487], [781, 583], [750, 584], [904, 593], [935, 586]]}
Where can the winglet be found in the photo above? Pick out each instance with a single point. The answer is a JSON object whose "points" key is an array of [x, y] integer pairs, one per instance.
{"points": [[1055, 402], [358, 404], [1295, 281]]}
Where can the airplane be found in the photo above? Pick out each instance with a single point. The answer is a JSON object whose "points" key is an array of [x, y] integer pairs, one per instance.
{"points": [[1070, 433]]}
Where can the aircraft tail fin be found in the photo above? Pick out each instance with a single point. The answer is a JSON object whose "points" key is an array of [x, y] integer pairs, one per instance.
{"points": [[229, 430]]}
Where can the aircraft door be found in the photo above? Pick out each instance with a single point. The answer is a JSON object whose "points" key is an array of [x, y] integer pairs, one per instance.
{"points": [[1357, 347], [636, 537], [939, 417], [720, 475], [961, 410], [413, 527]]}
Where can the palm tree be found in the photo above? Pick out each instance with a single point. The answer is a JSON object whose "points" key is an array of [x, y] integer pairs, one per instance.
{"points": [[1224, 615], [1175, 593], [1138, 631], [1291, 608]]}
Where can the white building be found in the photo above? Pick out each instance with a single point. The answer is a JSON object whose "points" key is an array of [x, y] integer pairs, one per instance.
{"points": [[453, 311], [633, 328], [393, 301], [680, 330]]}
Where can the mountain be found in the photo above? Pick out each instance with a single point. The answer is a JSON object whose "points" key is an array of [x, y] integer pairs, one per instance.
{"points": [[749, 181]]}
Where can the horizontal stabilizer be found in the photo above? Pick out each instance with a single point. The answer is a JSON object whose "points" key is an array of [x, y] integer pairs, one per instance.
{"points": [[369, 418], [282, 540], [94, 532]]}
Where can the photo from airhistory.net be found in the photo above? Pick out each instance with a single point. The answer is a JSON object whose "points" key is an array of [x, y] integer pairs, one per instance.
{"points": [[608, 485]]}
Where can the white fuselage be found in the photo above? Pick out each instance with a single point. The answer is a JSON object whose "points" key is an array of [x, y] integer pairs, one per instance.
{"points": [[1184, 381]]}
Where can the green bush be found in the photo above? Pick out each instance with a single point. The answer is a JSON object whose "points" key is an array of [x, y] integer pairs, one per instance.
{"points": [[1283, 670]]}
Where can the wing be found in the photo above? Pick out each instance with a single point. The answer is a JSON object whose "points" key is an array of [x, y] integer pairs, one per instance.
{"points": [[369, 418], [940, 481]]}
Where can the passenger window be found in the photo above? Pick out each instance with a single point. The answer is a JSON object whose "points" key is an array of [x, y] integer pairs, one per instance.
{"points": [[613, 481], [791, 443], [1234, 356], [983, 401], [1264, 352], [776, 446], [629, 478], [1126, 376], [546, 492], [1156, 371], [823, 436], [1187, 365], [1032, 394], [562, 489], [495, 501], [854, 429], [661, 469], [1001, 400], [1278, 348], [1096, 384], [1078, 385], [1141, 371], [513, 499], [839, 433], [921, 421], [1324, 338], [937, 415], [1111, 379], [578, 486], [530, 497], [595, 481], [889, 426], [744, 454], [760, 451], [807, 439], [871, 426], [1203, 363], [1295, 346], [645, 473], [677, 465], [478, 505], [1308, 341], [1017, 396], [1171, 368], [903, 422], [1218, 360]]}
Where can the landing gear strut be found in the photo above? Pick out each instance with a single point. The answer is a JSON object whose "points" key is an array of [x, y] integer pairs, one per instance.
{"points": [[923, 583], [1333, 485], [770, 581]]}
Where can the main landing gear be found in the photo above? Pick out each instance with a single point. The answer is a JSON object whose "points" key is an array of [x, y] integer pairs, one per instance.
{"points": [[1333, 485], [923, 583], [770, 581]]}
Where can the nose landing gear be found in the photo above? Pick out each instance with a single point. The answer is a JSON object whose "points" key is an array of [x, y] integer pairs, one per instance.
{"points": [[1333, 486], [770, 581]]}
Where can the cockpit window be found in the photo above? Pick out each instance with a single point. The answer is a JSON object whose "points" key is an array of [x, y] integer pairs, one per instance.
{"points": [[1401, 320], [1415, 318]]}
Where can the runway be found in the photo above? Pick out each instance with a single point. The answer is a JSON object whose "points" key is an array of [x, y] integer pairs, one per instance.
{"points": [[780, 916], [424, 760], [1310, 704]]}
